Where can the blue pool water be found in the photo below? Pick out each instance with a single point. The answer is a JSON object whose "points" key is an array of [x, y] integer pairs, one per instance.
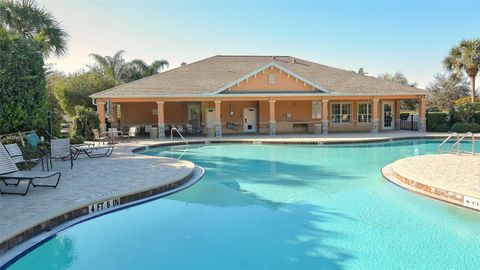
{"points": [[277, 207]]}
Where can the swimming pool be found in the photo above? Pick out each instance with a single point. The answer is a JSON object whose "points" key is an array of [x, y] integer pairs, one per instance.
{"points": [[277, 207]]}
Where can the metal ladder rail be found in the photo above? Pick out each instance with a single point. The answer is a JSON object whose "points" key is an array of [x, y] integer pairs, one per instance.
{"points": [[459, 141], [439, 148], [185, 141]]}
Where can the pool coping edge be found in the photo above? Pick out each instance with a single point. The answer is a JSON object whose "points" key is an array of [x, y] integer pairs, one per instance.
{"points": [[439, 194], [27, 244]]}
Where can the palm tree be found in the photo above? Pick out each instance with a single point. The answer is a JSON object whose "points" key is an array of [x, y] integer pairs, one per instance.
{"points": [[361, 71], [137, 69], [465, 56], [27, 19], [114, 65], [148, 70]]}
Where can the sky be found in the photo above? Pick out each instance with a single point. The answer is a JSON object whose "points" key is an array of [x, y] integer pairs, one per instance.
{"points": [[381, 36]]}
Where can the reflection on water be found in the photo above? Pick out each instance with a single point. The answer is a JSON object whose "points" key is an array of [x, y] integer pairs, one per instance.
{"points": [[277, 207]]}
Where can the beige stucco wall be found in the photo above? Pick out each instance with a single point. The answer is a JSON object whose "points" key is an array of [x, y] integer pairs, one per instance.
{"points": [[287, 114], [138, 113], [260, 82], [141, 113]]}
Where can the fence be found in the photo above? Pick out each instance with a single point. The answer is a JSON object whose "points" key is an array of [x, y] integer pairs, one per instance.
{"points": [[409, 123]]}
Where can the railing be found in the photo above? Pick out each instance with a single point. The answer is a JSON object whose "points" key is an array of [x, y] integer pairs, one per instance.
{"points": [[439, 148], [185, 141], [459, 141], [457, 144]]}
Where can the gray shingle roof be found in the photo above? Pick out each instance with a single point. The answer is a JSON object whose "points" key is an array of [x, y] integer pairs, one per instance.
{"points": [[206, 76]]}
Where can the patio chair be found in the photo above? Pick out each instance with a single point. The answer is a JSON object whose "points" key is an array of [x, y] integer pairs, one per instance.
{"points": [[132, 133], [189, 128], [61, 149], [180, 129], [97, 137], [148, 128], [17, 156], [9, 171]]}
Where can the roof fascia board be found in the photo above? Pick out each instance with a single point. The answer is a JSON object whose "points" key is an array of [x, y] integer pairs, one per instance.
{"points": [[332, 94]]}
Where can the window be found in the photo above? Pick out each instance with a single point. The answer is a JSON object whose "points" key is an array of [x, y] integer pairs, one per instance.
{"points": [[341, 113], [272, 78], [364, 112], [316, 109]]}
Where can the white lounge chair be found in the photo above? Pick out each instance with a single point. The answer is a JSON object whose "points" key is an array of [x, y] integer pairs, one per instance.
{"points": [[92, 151], [17, 155], [9, 171]]}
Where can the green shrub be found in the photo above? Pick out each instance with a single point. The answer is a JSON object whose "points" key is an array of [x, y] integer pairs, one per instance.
{"points": [[23, 96], [437, 121], [441, 128], [83, 122], [463, 127], [465, 110], [77, 139]]}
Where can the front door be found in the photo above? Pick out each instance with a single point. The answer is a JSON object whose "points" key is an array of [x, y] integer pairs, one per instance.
{"points": [[194, 117], [249, 119], [387, 115]]}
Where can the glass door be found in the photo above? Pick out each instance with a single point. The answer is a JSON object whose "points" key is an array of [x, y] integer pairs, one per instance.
{"points": [[387, 113]]}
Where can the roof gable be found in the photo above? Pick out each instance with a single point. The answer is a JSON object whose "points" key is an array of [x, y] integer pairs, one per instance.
{"points": [[258, 81]]}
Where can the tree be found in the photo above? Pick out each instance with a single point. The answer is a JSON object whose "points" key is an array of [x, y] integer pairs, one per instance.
{"points": [[361, 71], [111, 65], [465, 109], [25, 18], [23, 98], [444, 90], [465, 57], [75, 89], [124, 71], [400, 78], [137, 69]]}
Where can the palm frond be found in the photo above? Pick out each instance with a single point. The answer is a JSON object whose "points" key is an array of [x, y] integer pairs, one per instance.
{"points": [[101, 61], [158, 65]]}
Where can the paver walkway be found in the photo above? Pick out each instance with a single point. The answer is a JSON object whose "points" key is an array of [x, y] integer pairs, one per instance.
{"points": [[90, 180], [460, 174]]}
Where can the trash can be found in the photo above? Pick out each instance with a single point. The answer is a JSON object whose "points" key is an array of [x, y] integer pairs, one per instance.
{"points": [[154, 133], [317, 128]]}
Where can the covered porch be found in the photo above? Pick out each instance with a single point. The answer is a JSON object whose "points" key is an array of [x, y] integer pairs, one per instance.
{"points": [[257, 115]]}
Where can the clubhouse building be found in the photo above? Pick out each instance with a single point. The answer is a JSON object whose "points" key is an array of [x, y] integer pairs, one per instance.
{"points": [[257, 94]]}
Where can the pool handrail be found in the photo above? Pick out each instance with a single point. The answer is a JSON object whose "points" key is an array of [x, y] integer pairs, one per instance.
{"points": [[185, 141], [171, 135], [439, 148], [459, 141]]}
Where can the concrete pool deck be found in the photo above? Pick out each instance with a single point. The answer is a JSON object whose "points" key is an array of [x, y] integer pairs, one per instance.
{"points": [[447, 177], [124, 175]]}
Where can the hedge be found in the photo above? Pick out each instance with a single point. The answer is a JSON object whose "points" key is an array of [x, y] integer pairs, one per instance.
{"points": [[463, 127], [437, 122], [23, 96]]}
